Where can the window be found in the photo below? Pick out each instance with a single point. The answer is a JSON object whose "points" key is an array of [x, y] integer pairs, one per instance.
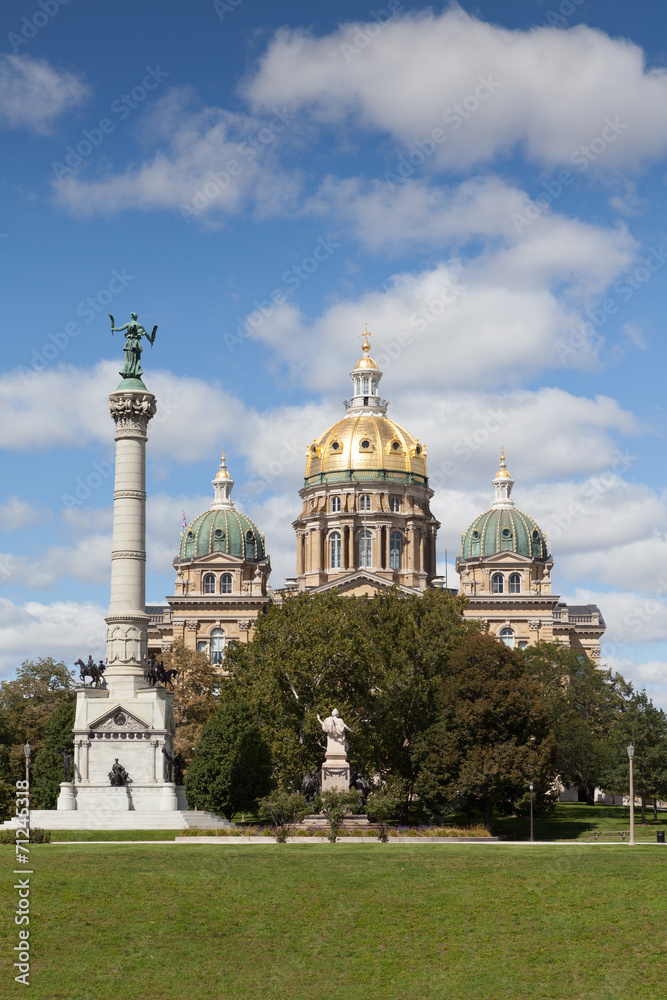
{"points": [[365, 444], [395, 504], [395, 550], [365, 548], [395, 445], [497, 583], [209, 583], [515, 584], [217, 645], [226, 583], [335, 446], [202, 646], [334, 543], [364, 502], [507, 636], [335, 504], [523, 644], [357, 386], [365, 386]]}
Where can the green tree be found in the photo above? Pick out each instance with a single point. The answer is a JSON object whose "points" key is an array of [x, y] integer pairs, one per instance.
{"points": [[479, 752], [231, 766], [286, 809], [584, 703], [47, 771], [645, 727], [26, 705], [382, 806], [378, 660], [336, 804], [195, 695]]}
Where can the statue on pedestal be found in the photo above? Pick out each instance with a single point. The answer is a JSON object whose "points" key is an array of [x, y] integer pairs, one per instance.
{"points": [[118, 776], [335, 728], [132, 350], [68, 762]]}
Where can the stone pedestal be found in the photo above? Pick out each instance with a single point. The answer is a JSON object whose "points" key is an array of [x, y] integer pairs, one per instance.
{"points": [[335, 773], [168, 799], [66, 799]]}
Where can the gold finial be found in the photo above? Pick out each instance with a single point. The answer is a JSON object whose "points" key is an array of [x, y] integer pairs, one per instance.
{"points": [[366, 334], [502, 472], [223, 473]]}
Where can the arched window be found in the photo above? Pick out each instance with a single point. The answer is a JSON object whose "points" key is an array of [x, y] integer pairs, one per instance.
{"points": [[364, 502], [226, 583], [365, 548], [395, 550], [335, 504], [209, 583], [395, 504], [497, 583], [507, 636], [334, 543], [217, 645], [515, 584]]}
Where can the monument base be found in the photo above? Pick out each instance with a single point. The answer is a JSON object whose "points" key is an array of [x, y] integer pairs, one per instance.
{"points": [[66, 798], [72, 819], [335, 774]]}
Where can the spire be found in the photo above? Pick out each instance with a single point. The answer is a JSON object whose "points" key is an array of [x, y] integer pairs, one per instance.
{"points": [[503, 484], [222, 487], [365, 381]]}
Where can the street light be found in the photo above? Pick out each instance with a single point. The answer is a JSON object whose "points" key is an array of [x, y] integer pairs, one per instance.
{"points": [[26, 750], [531, 786], [631, 753]]}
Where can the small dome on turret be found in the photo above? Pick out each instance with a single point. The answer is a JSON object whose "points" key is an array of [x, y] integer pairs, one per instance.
{"points": [[504, 527], [222, 528]]}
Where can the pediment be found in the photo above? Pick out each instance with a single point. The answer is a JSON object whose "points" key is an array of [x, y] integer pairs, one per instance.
{"points": [[506, 558], [212, 559], [119, 720], [359, 578]]}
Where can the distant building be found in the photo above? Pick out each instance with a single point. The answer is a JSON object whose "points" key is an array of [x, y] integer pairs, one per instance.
{"points": [[505, 571], [222, 573]]}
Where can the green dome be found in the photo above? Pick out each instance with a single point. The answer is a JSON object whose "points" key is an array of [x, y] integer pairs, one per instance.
{"points": [[504, 529], [226, 530]]}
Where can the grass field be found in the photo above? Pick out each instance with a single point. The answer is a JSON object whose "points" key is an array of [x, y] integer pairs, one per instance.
{"points": [[478, 922]]}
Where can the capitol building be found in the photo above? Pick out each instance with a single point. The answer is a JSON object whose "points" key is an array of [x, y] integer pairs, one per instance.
{"points": [[365, 525]]}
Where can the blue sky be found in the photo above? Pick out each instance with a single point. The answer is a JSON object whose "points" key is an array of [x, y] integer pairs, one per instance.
{"points": [[485, 188]]}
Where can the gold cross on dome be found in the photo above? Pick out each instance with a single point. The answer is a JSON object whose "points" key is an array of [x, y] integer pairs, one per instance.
{"points": [[366, 334]]}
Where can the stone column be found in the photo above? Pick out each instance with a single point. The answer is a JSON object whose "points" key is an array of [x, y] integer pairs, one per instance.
{"points": [[131, 407]]}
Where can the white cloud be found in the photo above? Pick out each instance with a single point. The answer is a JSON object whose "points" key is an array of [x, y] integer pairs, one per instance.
{"points": [[64, 630], [17, 513], [544, 91], [33, 94], [205, 164]]}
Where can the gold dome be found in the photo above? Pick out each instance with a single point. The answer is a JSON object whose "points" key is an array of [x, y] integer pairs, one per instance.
{"points": [[365, 442], [366, 361], [502, 472]]}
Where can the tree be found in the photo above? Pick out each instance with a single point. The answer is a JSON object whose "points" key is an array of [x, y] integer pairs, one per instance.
{"points": [[644, 726], [382, 806], [47, 771], [583, 703], [335, 804], [231, 766], [26, 705], [479, 752], [286, 809], [195, 700], [378, 660]]}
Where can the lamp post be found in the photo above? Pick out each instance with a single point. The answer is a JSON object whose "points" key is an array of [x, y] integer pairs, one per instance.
{"points": [[26, 751], [531, 786], [631, 753]]}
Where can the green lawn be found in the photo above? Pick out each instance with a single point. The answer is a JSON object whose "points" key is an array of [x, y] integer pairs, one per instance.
{"points": [[575, 820], [450, 922]]}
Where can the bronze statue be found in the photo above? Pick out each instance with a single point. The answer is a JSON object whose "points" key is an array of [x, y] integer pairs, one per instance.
{"points": [[68, 762], [90, 670], [132, 350], [179, 765], [118, 776], [310, 786], [168, 765]]}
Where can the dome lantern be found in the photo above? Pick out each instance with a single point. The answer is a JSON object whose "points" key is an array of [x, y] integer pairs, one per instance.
{"points": [[502, 485], [222, 487], [365, 382]]}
